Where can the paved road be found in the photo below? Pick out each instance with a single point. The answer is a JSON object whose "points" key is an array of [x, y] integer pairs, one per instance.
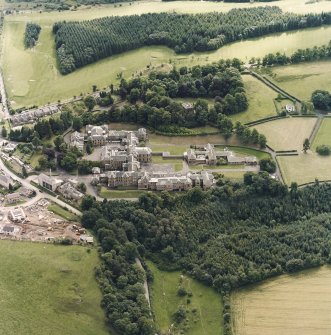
{"points": [[26, 183], [4, 98]]}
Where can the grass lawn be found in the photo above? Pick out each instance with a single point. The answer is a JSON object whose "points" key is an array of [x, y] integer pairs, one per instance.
{"points": [[243, 151], [234, 175], [260, 100], [49, 289], [31, 76], [172, 149], [119, 194], [296, 304], [287, 134], [281, 104], [215, 167], [305, 168], [204, 312], [323, 135], [62, 212], [177, 163], [302, 79], [34, 160], [183, 142]]}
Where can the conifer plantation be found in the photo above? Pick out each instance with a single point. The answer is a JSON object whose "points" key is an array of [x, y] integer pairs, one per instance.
{"points": [[81, 43]]}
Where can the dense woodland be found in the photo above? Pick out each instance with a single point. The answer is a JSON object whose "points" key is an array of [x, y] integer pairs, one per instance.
{"points": [[81, 43], [321, 100], [221, 81], [228, 237], [31, 35]]}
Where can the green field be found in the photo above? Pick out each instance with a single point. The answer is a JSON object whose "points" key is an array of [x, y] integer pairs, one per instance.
{"points": [[177, 163], [119, 194], [260, 101], [305, 168], [297, 304], [243, 151], [288, 133], [302, 79], [48, 289], [56, 209], [204, 311], [323, 135], [31, 76]]}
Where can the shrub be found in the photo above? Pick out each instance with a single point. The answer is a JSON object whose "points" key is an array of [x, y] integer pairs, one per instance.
{"points": [[267, 165], [323, 150]]}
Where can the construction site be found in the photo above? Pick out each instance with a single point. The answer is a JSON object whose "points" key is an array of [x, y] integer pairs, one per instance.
{"points": [[37, 223]]}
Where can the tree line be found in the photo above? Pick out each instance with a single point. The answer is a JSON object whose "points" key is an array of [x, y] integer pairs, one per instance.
{"points": [[31, 34], [81, 43], [233, 235], [43, 129], [299, 56]]}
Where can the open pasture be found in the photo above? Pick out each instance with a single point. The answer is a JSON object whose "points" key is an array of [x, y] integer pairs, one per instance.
{"points": [[287, 133], [192, 7], [301, 80], [203, 312], [323, 135], [297, 304], [260, 101], [32, 77], [48, 289], [305, 168]]}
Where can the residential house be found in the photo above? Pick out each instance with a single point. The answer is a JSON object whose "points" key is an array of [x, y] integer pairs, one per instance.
{"points": [[51, 183], [69, 191], [13, 198], [17, 214], [5, 181]]}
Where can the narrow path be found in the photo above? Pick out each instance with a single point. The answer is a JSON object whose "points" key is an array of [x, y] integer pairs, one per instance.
{"points": [[278, 172], [276, 88], [316, 128], [145, 283]]}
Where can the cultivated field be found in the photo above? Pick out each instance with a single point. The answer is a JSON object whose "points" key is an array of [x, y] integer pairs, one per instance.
{"points": [[288, 133], [305, 168], [204, 312], [31, 76], [260, 99], [323, 135], [47, 289], [302, 79], [289, 305]]}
